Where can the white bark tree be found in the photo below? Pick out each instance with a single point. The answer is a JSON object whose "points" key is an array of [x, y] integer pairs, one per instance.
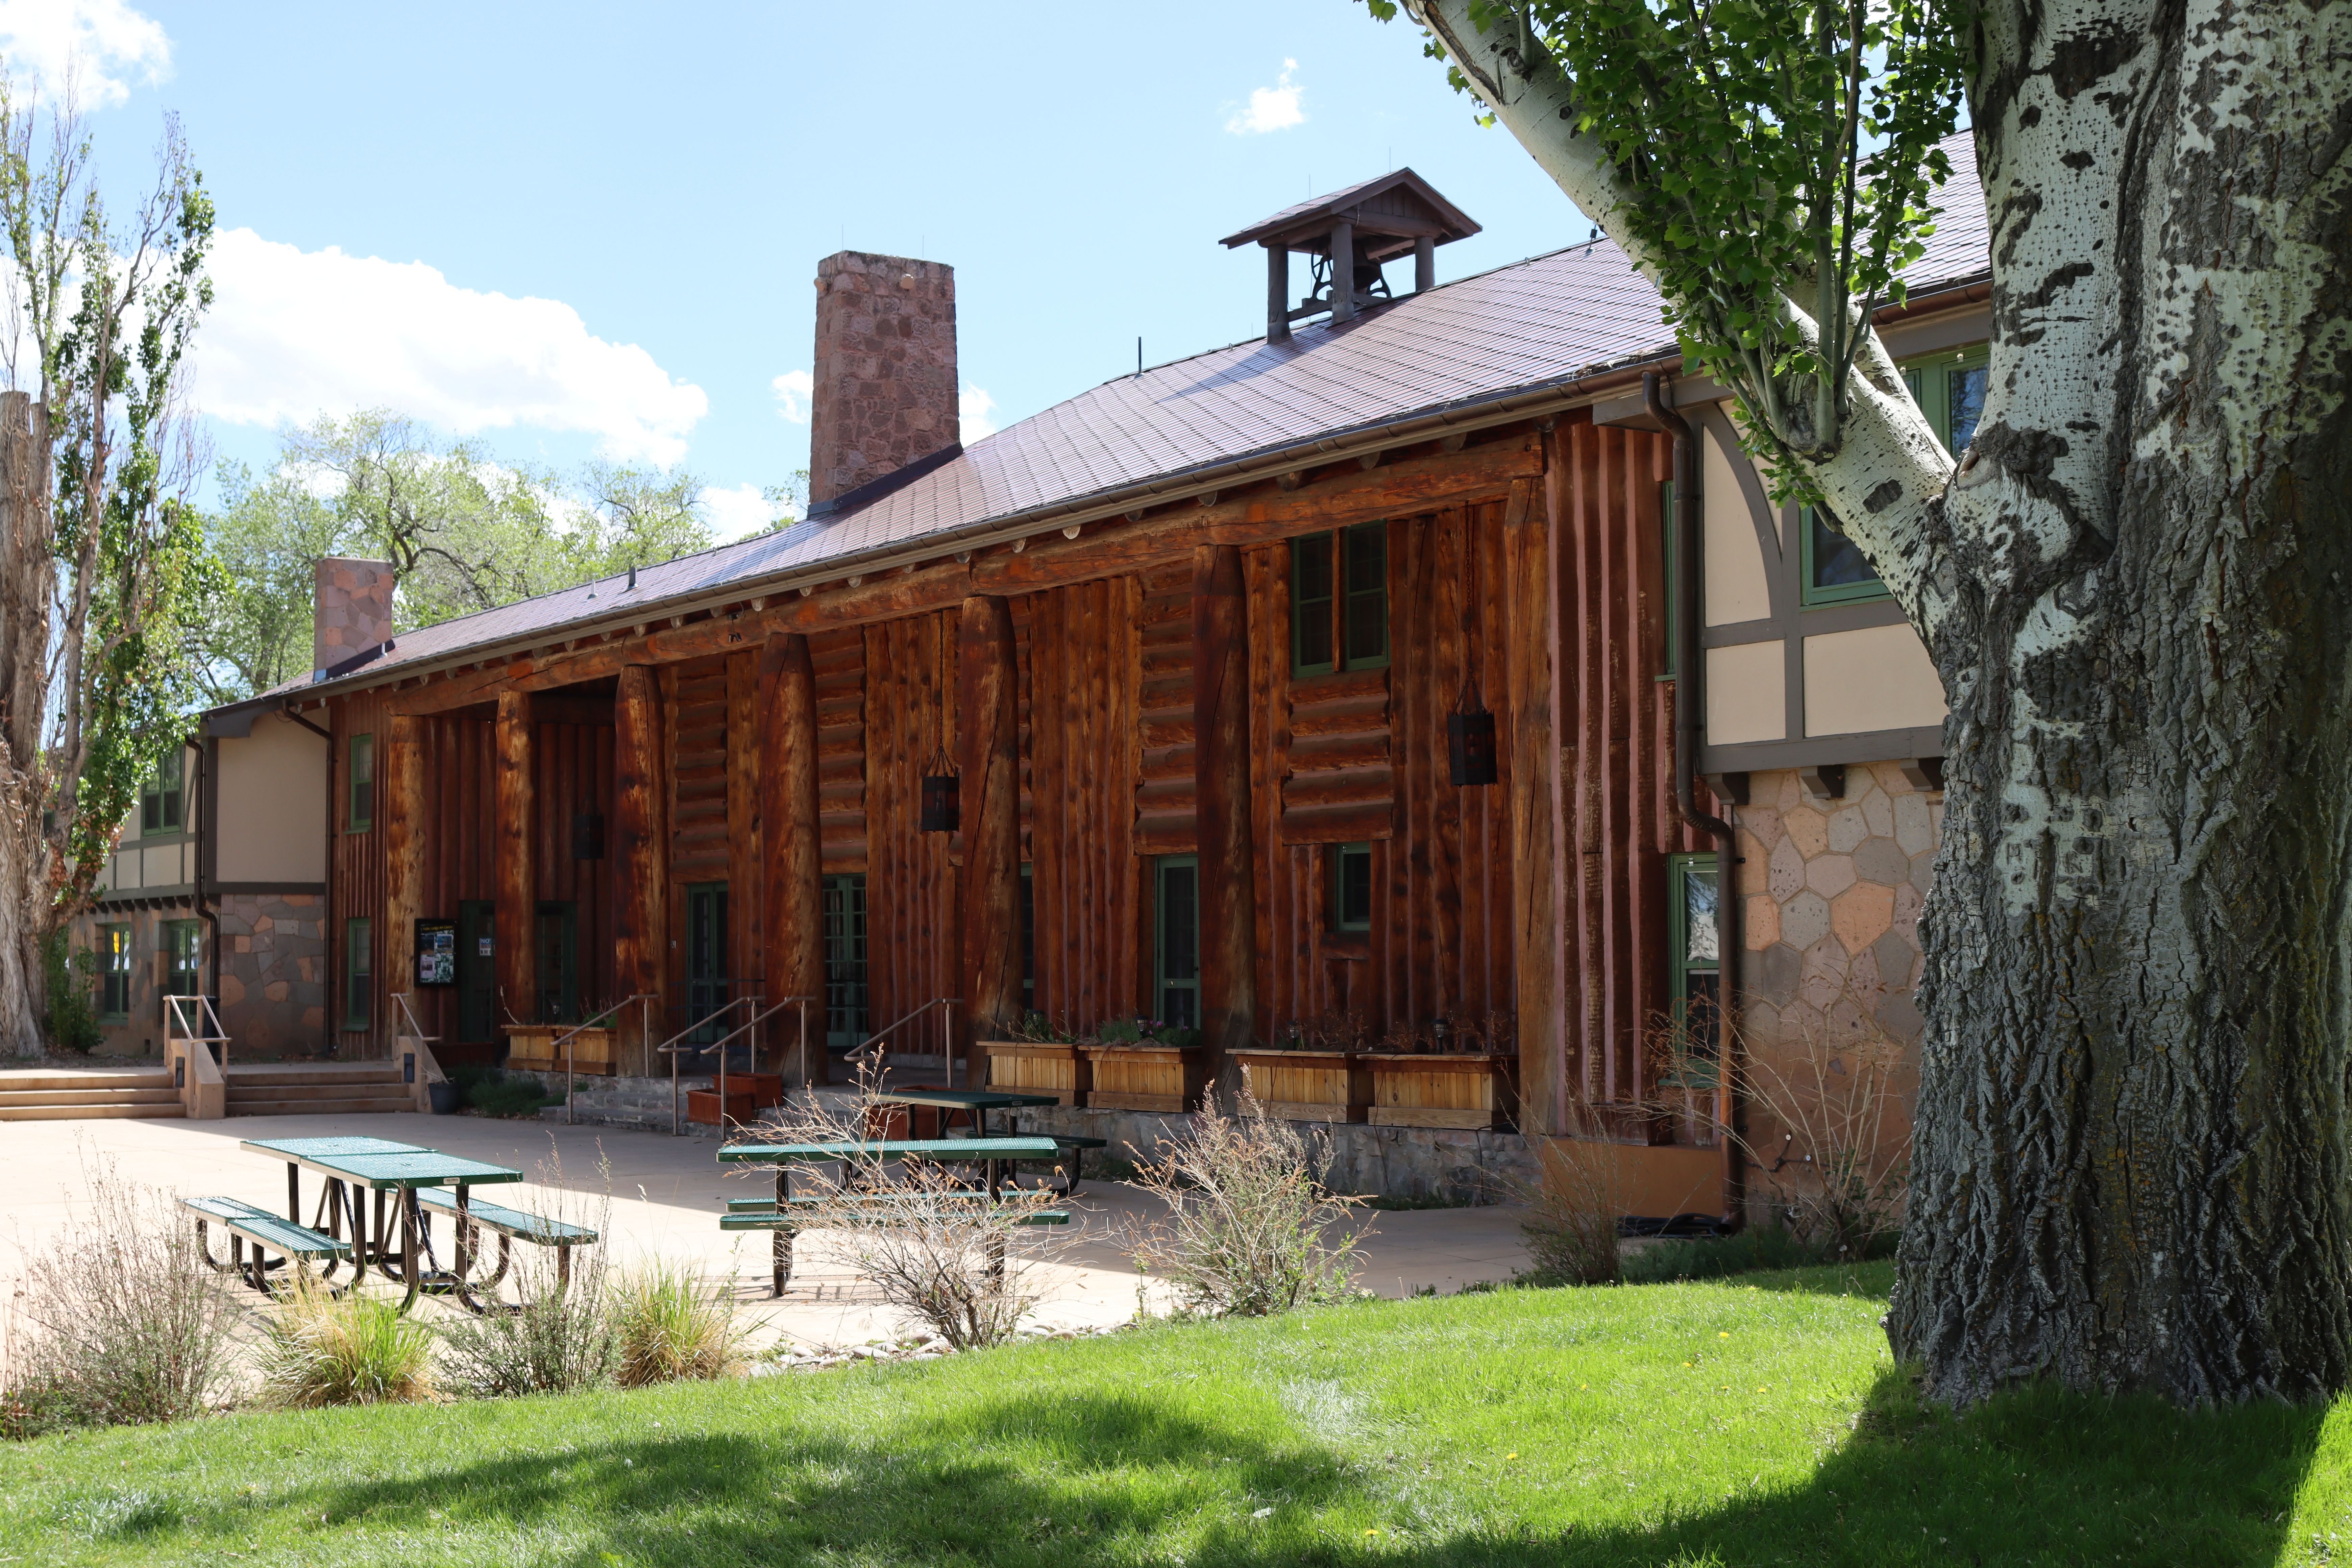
{"points": [[2133, 1153]]}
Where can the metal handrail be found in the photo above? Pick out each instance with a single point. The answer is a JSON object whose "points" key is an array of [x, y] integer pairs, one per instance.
{"points": [[677, 1050], [571, 1113], [415, 1029], [171, 1014], [876, 1038]]}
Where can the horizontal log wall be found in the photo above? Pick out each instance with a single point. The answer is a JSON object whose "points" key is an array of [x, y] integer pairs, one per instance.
{"points": [[839, 658], [574, 762], [1165, 789]]}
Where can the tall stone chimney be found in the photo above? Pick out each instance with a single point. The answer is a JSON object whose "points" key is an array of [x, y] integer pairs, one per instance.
{"points": [[353, 610], [885, 370]]}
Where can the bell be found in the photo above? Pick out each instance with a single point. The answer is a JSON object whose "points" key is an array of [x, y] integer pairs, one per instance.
{"points": [[1470, 748], [940, 812]]}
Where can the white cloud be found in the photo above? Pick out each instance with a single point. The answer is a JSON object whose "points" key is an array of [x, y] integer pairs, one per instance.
{"points": [[738, 511], [1272, 108], [95, 44], [295, 334], [973, 407], [793, 391]]}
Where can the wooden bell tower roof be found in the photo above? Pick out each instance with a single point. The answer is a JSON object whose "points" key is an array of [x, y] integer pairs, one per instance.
{"points": [[1390, 216]]}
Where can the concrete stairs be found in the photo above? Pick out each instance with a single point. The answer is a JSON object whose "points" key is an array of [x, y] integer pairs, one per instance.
{"points": [[72, 1096], [316, 1089]]}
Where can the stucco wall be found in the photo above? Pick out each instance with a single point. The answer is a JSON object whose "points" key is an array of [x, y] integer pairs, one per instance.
{"points": [[273, 805]]}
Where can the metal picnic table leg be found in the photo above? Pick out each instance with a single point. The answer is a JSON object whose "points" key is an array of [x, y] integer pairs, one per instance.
{"points": [[411, 1269], [293, 1193]]}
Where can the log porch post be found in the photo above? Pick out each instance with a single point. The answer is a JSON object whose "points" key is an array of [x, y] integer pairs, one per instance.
{"points": [[1537, 955], [404, 851], [745, 948], [641, 880], [794, 851], [1221, 761], [989, 762], [514, 876]]}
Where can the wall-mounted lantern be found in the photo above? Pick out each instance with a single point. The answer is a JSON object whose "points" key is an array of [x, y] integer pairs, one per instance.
{"points": [[1470, 747], [941, 813]]}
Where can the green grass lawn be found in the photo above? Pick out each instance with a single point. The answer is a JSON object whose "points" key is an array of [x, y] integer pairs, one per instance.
{"points": [[1753, 1420]]}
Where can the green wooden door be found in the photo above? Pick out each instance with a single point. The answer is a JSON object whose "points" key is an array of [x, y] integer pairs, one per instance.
{"points": [[478, 971], [706, 958], [1176, 940], [559, 962], [846, 1024]]}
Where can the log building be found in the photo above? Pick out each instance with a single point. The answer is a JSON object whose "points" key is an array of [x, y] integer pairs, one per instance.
{"points": [[1194, 648]]}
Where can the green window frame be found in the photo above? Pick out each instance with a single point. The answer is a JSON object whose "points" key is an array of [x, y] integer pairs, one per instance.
{"points": [[359, 973], [360, 805], [183, 959], [1352, 887], [114, 973], [845, 995], [1949, 388], [1694, 926], [1339, 600], [1176, 940], [161, 794]]}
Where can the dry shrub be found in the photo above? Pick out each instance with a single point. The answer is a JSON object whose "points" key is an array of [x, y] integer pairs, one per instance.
{"points": [[673, 1325], [921, 1234], [118, 1320], [1248, 1217], [1572, 1212], [566, 1335], [323, 1349], [1825, 1088]]}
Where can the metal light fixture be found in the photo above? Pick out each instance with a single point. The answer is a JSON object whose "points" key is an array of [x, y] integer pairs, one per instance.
{"points": [[940, 806], [1470, 748]]}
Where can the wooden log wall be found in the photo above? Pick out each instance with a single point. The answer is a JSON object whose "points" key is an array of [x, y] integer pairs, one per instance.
{"points": [[1618, 819], [572, 763], [913, 917], [645, 886], [1440, 937], [1165, 787], [460, 789], [838, 659], [988, 761]]}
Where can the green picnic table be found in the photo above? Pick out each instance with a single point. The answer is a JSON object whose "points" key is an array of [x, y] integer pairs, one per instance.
{"points": [[975, 1102], [355, 1167], [991, 1151]]}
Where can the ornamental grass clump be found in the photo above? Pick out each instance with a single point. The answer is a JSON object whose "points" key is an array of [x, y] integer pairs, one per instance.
{"points": [[673, 1325], [1570, 1228], [1251, 1229], [566, 1334], [323, 1349], [117, 1320]]}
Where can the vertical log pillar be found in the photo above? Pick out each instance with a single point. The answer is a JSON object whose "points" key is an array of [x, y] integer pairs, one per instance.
{"points": [[1343, 273], [1537, 955], [988, 761], [1277, 291], [792, 857], [744, 911], [403, 879], [641, 879], [1221, 761], [514, 874]]}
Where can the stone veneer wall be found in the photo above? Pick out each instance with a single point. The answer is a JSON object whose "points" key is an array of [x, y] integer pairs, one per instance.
{"points": [[885, 390], [273, 973]]}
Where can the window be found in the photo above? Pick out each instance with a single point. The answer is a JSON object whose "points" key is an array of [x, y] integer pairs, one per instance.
{"points": [[846, 1020], [1176, 929], [557, 954], [361, 815], [160, 796], [1339, 600], [1694, 953], [1950, 391], [1352, 887], [114, 973], [705, 960], [183, 944], [359, 973]]}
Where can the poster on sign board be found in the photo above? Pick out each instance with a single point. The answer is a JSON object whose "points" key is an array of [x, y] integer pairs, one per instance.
{"points": [[436, 952]]}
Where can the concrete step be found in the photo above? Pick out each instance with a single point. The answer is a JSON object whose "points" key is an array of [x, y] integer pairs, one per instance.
{"points": [[23, 1082], [357, 1105], [337, 1078], [161, 1095], [93, 1113]]}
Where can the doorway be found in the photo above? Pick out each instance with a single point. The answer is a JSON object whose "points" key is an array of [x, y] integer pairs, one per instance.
{"points": [[478, 971], [846, 1020], [1176, 940], [706, 959], [558, 962]]}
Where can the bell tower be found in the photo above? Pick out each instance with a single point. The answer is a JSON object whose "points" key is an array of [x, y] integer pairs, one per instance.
{"points": [[1348, 236]]}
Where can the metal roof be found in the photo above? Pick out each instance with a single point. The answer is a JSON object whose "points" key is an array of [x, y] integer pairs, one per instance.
{"points": [[1486, 339], [1458, 224]]}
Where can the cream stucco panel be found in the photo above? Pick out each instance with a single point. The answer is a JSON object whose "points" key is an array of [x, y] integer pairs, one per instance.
{"points": [[1747, 693], [1737, 587], [273, 805], [1879, 678]]}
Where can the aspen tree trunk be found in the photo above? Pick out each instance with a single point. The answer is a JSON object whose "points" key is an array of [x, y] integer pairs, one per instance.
{"points": [[27, 580], [2132, 1161]]}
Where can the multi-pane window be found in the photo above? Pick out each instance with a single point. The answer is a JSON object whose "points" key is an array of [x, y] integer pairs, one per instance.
{"points": [[1696, 949], [114, 971], [1339, 600], [1176, 988], [182, 943], [359, 973], [845, 1018], [361, 815], [1950, 391], [1352, 887], [160, 796]]}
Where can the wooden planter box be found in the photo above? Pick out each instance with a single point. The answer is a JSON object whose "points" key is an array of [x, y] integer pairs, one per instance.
{"points": [[766, 1090], [1470, 1091], [713, 1110], [1146, 1077], [1023, 1067], [1308, 1085], [531, 1048]]}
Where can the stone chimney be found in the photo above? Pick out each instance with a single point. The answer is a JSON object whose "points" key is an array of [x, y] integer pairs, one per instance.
{"points": [[353, 610], [885, 370]]}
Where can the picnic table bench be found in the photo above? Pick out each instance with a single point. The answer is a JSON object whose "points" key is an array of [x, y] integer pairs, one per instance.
{"points": [[976, 1103], [777, 1215], [248, 1226], [509, 1226]]}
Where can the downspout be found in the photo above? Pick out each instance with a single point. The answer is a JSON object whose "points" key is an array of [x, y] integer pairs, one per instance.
{"points": [[1689, 692], [206, 820], [327, 875]]}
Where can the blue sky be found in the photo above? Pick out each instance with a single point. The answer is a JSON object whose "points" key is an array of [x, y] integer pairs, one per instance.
{"points": [[590, 230]]}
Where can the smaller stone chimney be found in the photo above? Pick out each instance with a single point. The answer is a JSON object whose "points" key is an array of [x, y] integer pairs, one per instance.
{"points": [[354, 611], [885, 373]]}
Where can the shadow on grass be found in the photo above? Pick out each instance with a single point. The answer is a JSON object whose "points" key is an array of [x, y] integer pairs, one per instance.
{"points": [[1082, 1478]]}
